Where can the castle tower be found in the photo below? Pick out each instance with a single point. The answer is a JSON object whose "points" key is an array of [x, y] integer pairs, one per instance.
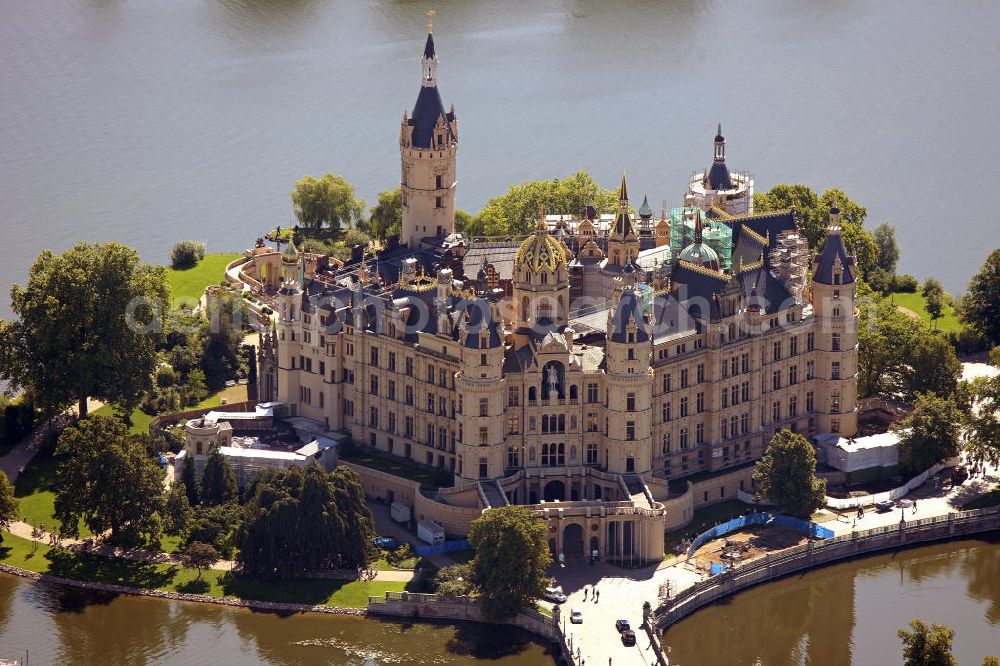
{"points": [[428, 146], [481, 453], [629, 382], [289, 326], [623, 241], [541, 285], [730, 192], [835, 333]]}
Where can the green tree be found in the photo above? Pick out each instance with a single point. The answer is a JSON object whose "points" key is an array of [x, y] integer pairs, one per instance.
{"points": [[888, 249], [932, 365], [177, 513], [884, 337], [195, 385], [931, 285], [995, 356], [186, 253], [980, 306], [511, 556], [200, 556], [216, 525], [927, 645], [299, 521], [983, 420], [930, 433], [466, 223], [814, 218], [454, 580], [786, 475], [935, 306], [991, 661], [218, 483], [108, 479], [8, 504], [326, 202], [188, 480], [386, 218], [516, 212], [88, 324], [221, 341]]}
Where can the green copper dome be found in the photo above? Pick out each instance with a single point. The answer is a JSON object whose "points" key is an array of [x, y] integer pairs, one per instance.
{"points": [[700, 254]]}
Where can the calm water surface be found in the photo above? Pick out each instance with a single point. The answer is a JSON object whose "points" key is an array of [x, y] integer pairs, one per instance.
{"points": [[61, 625], [152, 120], [849, 613]]}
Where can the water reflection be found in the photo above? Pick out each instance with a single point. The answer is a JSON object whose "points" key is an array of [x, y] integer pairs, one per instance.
{"points": [[849, 613]]}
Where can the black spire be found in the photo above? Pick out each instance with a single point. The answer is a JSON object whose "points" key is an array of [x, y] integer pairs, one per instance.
{"points": [[429, 46], [718, 175]]}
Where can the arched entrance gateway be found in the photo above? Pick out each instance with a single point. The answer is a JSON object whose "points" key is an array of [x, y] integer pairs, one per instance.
{"points": [[555, 491], [573, 540]]}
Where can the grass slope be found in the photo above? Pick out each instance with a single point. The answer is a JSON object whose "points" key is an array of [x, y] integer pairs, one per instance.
{"points": [[22, 553], [36, 500], [188, 285], [918, 304]]}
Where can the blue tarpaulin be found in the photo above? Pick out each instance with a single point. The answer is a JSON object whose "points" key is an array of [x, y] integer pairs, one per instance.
{"points": [[717, 568], [446, 547], [737, 524]]}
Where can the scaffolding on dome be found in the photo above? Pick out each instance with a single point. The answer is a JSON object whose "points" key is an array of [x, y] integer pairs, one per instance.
{"points": [[716, 234]]}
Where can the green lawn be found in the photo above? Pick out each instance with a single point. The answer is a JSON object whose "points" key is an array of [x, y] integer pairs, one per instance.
{"points": [[36, 501], [141, 420], [188, 285], [917, 303], [19, 552]]}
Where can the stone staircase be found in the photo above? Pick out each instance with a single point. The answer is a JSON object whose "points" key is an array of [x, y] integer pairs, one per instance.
{"points": [[492, 494]]}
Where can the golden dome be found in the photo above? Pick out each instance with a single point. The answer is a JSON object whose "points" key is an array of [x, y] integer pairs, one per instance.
{"points": [[541, 251]]}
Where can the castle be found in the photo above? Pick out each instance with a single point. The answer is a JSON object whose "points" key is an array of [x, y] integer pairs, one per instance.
{"points": [[610, 371]]}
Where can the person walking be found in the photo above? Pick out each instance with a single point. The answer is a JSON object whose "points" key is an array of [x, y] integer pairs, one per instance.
{"points": [[598, 593]]}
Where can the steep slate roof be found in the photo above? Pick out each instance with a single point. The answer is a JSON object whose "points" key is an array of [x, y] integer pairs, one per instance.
{"points": [[718, 177], [832, 250], [426, 112], [770, 292], [479, 316], [501, 255], [629, 306], [767, 225]]}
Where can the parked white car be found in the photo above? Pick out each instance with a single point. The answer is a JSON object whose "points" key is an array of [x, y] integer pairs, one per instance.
{"points": [[555, 595], [576, 616]]}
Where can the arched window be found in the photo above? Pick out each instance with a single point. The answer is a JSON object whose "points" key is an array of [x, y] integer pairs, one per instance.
{"points": [[562, 454], [562, 423], [572, 392], [545, 422], [524, 308], [532, 393]]}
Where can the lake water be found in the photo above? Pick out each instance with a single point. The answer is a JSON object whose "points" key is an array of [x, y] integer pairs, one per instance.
{"points": [[849, 613], [60, 625], [154, 120]]}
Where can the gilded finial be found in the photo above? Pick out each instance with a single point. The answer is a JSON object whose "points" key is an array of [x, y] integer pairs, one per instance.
{"points": [[540, 225], [430, 20]]}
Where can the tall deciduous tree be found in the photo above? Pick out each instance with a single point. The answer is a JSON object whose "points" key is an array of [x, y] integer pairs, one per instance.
{"points": [[300, 521], [88, 324], [177, 512], [981, 306], [515, 212], [885, 335], [108, 479], [983, 421], [386, 217], [932, 365], [930, 433], [218, 483], [511, 556], [888, 249], [326, 202], [200, 556], [786, 475], [189, 482], [925, 645], [8, 504]]}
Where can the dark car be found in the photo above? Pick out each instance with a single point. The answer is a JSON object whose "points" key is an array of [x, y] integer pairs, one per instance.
{"points": [[628, 637], [389, 543], [959, 475], [622, 625]]}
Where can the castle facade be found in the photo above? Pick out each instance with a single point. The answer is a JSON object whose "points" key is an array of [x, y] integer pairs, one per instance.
{"points": [[610, 371]]}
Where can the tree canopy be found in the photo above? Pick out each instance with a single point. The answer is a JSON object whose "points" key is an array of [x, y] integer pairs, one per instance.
{"points": [[107, 478], [814, 218], [925, 645], [200, 556], [88, 324], [930, 433], [326, 202], [932, 365], [8, 504], [301, 521], [386, 218], [786, 475], [983, 420], [888, 249], [516, 212], [981, 305], [218, 483], [511, 556]]}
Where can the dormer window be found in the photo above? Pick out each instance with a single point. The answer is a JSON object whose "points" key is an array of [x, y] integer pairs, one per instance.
{"points": [[836, 278]]}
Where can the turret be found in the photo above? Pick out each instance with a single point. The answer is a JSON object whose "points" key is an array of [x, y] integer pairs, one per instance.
{"points": [[541, 284], [428, 145], [623, 241], [835, 333]]}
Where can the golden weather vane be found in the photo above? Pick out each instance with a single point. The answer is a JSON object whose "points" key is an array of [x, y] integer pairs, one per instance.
{"points": [[431, 13]]}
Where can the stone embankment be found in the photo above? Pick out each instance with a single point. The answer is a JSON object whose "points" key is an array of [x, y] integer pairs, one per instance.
{"points": [[182, 596], [828, 551]]}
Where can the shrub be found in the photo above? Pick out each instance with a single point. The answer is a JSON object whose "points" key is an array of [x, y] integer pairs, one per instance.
{"points": [[356, 237], [186, 253], [905, 284], [165, 376], [879, 280], [967, 340]]}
